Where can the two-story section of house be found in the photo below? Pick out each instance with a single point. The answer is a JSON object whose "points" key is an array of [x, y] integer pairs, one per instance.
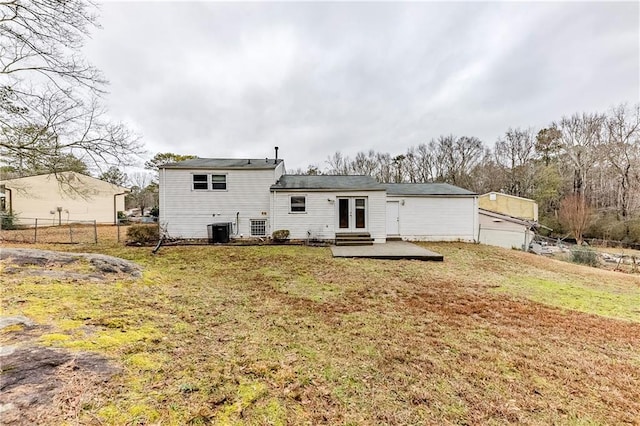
{"points": [[203, 191]]}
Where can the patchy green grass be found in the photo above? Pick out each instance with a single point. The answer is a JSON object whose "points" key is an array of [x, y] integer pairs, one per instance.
{"points": [[289, 335], [556, 283], [604, 298]]}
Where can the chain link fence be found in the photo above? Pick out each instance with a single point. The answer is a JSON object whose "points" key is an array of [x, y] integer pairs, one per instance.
{"points": [[47, 230]]}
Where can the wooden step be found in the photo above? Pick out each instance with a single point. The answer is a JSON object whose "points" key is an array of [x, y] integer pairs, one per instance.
{"points": [[354, 242], [352, 234], [353, 239]]}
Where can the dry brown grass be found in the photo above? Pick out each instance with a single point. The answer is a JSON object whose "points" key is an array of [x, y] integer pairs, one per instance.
{"points": [[73, 233], [290, 335]]}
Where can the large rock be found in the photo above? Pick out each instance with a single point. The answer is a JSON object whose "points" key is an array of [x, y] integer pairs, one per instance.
{"points": [[52, 263]]}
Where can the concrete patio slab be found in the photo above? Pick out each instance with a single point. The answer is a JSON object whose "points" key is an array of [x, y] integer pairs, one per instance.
{"points": [[388, 250]]}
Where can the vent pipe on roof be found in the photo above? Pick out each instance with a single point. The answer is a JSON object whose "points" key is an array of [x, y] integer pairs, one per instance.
{"points": [[249, 161], [276, 154]]}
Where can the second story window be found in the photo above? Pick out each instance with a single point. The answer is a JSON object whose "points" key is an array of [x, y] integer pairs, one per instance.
{"points": [[209, 182], [218, 181], [200, 182]]}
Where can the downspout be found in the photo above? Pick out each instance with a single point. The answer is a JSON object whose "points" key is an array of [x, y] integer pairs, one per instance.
{"points": [[162, 195], [476, 217], [115, 207], [273, 213]]}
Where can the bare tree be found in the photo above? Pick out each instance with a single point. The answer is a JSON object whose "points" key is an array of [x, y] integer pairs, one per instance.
{"points": [[622, 149], [575, 215], [385, 172], [143, 191], [579, 136], [514, 152], [49, 96], [487, 175], [338, 164], [365, 163], [423, 162], [455, 158]]}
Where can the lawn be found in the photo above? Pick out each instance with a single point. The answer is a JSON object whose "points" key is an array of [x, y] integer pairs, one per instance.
{"points": [[289, 335]]}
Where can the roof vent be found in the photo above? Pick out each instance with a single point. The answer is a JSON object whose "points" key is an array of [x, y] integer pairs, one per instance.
{"points": [[249, 161]]}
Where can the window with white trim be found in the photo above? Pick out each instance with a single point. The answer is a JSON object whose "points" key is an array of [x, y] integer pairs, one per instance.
{"points": [[298, 204], [209, 182], [200, 182], [219, 182], [258, 227]]}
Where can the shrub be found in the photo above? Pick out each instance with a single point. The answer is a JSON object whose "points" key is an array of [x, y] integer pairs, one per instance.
{"points": [[584, 256], [8, 221], [280, 235], [142, 234]]}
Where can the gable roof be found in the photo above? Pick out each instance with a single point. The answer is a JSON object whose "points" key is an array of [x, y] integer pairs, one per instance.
{"points": [[327, 182], [426, 189], [225, 163]]}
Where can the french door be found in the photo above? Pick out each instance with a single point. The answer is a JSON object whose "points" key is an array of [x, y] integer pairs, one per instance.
{"points": [[352, 213]]}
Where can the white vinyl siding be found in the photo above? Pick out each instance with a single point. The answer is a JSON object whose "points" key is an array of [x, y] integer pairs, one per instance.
{"points": [[321, 221], [185, 213], [442, 218]]}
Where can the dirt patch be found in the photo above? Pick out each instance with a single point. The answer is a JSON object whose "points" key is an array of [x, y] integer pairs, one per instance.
{"points": [[59, 265], [33, 379]]}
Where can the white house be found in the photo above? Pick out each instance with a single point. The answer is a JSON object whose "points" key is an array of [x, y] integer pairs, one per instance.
{"points": [[319, 207], [198, 192], [255, 197], [67, 196]]}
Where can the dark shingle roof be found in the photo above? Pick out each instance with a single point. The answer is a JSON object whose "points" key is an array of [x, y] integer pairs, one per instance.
{"points": [[425, 189], [327, 182], [224, 163]]}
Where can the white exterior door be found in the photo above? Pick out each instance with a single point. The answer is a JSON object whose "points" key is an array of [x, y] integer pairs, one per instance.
{"points": [[393, 218]]}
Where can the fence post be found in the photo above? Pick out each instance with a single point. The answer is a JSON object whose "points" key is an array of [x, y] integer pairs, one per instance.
{"points": [[95, 232], [35, 232]]}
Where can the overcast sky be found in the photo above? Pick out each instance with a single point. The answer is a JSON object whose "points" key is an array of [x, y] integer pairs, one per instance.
{"points": [[237, 79]]}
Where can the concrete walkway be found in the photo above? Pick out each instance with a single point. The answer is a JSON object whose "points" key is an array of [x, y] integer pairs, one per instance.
{"points": [[388, 250]]}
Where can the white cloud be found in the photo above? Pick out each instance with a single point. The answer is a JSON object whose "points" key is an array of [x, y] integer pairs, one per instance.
{"points": [[224, 79]]}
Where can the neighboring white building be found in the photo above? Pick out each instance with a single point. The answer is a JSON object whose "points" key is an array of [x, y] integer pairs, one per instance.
{"points": [[255, 197], [68, 196], [497, 229]]}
